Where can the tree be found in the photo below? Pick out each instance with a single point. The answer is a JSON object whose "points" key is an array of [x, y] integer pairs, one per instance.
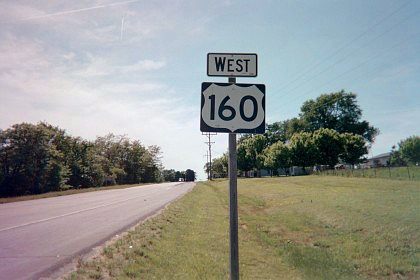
{"points": [[219, 166], [396, 158], [410, 149], [189, 175], [133, 165], [329, 146], [354, 148], [244, 160], [283, 131], [30, 162], [277, 156], [93, 172], [152, 165], [338, 111], [303, 150], [168, 175], [249, 152], [85, 163], [110, 148]]}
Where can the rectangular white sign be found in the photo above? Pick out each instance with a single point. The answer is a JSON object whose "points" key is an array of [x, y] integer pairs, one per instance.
{"points": [[232, 64]]}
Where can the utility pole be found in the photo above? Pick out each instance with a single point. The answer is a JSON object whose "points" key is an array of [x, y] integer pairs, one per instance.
{"points": [[207, 164], [209, 143]]}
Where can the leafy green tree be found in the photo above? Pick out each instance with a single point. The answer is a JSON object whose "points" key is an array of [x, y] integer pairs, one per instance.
{"points": [[410, 149], [93, 173], [77, 157], [244, 159], [132, 163], [354, 148], [113, 151], [30, 162], [396, 158], [283, 131], [129, 162], [219, 166], [249, 153], [338, 111], [329, 146], [57, 173], [189, 175], [303, 150], [152, 171], [277, 156], [169, 175]]}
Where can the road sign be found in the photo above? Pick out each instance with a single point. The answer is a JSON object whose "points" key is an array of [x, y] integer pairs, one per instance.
{"points": [[232, 108], [232, 64]]}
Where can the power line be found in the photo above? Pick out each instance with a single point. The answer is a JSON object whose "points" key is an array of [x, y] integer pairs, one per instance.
{"points": [[396, 111], [344, 46], [363, 76], [341, 75], [349, 54]]}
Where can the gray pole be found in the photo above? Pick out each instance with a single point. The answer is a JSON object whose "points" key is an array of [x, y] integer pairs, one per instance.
{"points": [[211, 171], [233, 205]]}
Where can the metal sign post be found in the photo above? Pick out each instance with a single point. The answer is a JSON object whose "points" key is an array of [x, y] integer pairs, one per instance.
{"points": [[233, 205], [232, 108]]}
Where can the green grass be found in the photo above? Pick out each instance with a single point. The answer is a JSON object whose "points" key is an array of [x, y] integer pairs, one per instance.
{"points": [[309, 227], [65, 192], [394, 173]]}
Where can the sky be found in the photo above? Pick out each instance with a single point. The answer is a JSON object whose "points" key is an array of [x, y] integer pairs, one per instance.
{"points": [[135, 68]]}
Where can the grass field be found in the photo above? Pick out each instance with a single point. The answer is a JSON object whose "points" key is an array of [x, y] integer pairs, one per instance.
{"points": [[394, 173], [61, 193], [309, 227]]}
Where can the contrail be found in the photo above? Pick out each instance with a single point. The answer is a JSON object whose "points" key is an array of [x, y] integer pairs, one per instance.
{"points": [[77, 10], [122, 27]]}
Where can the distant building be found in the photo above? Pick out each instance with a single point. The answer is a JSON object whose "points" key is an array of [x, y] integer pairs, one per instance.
{"points": [[378, 161]]}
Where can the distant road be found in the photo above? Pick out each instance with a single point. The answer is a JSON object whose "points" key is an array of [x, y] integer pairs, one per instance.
{"points": [[39, 236]]}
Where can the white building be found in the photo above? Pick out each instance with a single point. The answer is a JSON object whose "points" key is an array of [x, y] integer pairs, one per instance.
{"points": [[378, 160]]}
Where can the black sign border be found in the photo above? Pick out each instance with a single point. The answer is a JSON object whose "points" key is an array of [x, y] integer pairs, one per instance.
{"points": [[231, 76], [206, 128]]}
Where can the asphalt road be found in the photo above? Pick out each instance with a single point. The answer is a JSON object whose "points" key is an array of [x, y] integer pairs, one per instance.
{"points": [[39, 236]]}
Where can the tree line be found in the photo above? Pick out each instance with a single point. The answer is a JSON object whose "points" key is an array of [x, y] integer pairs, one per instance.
{"points": [[328, 130], [39, 158]]}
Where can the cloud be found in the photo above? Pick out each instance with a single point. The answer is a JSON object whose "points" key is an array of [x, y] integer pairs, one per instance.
{"points": [[13, 11], [103, 66], [65, 63], [142, 65], [17, 54], [40, 85]]}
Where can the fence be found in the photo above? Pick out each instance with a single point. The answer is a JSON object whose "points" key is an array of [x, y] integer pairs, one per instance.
{"points": [[395, 173]]}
